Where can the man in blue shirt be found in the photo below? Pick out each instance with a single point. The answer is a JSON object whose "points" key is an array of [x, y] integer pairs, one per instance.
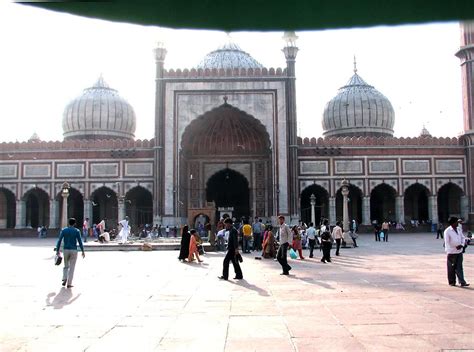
{"points": [[72, 237]]}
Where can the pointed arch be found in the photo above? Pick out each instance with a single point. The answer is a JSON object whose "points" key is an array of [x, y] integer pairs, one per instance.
{"points": [[7, 209], [139, 206], [449, 201], [104, 206], [322, 203], [75, 206], [416, 202], [37, 207], [382, 203], [355, 204]]}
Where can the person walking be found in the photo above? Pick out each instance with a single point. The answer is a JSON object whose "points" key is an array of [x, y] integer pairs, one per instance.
{"points": [[232, 254], [269, 243], [185, 239], [338, 236], [439, 230], [385, 229], [193, 246], [257, 235], [326, 242], [296, 244], [311, 233], [284, 235], [71, 237], [124, 231], [247, 236], [454, 242]]}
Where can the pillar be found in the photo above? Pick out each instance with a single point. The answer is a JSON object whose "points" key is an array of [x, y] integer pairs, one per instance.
{"points": [[464, 207], [345, 208], [20, 214], [366, 211], [312, 200], [290, 50], [466, 56], [65, 195], [433, 209], [332, 210], [400, 209], [121, 208], [53, 214], [159, 188], [88, 210]]}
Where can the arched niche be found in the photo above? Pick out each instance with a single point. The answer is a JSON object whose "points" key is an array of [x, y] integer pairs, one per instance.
{"points": [[382, 203], [139, 206], [7, 209], [449, 201], [354, 204], [321, 207], [37, 208], [416, 202], [105, 207], [75, 206]]}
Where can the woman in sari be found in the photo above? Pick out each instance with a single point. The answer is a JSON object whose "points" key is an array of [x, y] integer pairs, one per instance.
{"points": [[297, 241], [193, 246], [185, 239], [269, 243]]}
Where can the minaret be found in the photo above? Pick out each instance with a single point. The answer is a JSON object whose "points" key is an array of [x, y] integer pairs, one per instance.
{"points": [[160, 55], [290, 50], [466, 54]]}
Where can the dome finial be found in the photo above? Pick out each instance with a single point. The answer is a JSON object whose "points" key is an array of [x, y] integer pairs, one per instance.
{"points": [[355, 64]]}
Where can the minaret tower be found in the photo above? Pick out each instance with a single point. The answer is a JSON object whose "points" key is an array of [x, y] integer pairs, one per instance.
{"points": [[466, 54], [290, 50], [160, 55]]}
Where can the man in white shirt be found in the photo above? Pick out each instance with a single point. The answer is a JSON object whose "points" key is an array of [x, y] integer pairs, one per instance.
{"points": [[285, 238], [124, 231], [453, 245], [311, 233]]}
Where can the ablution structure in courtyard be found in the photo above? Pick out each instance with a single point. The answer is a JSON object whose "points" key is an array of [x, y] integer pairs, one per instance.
{"points": [[226, 142]]}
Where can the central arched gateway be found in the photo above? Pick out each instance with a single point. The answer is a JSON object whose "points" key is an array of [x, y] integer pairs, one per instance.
{"points": [[226, 159], [229, 189]]}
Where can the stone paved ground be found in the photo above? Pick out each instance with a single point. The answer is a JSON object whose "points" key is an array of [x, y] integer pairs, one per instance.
{"points": [[378, 297]]}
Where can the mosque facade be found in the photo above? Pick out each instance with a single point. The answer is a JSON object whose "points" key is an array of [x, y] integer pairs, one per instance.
{"points": [[225, 142]]}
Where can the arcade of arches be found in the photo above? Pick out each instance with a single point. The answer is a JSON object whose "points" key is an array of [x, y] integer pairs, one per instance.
{"points": [[384, 204]]}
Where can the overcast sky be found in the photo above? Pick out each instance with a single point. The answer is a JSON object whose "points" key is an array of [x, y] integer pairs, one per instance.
{"points": [[48, 58]]}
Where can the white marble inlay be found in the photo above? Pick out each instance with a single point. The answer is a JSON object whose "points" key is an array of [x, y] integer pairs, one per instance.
{"points": [[348, 166], [37, 170], [105, 169], [70, 170], [416, 166], [382, 166], [314, 167], [8, 171], [138, 169], [449, 166]]}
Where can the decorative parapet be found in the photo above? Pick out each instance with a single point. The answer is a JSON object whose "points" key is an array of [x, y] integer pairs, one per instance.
{"points": [[76, 145], [236, 72], [378, 141]]}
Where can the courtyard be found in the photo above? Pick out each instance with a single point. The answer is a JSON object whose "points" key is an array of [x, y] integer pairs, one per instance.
{"points": [[377, 297]]}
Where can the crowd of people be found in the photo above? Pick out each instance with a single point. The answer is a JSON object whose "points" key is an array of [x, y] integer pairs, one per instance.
{"points": [[269, 242]]}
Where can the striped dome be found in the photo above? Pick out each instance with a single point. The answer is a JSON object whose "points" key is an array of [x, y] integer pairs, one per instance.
{"points": [[99, 113], [230, 55], [358, 110]]}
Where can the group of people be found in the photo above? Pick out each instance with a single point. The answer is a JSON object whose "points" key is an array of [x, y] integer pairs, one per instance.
{"points": [[454, 243], [381, 231]]}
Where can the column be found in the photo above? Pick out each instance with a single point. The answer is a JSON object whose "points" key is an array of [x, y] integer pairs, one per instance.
{"points": [[121, 208], [464, 207], [433, 209], [345, 212], [88, 210], [366, 211], [400, 209], [290, 50], [159, 167], [53, 214], [65, 195], [332, 210], [312, 200], [20, 214]]}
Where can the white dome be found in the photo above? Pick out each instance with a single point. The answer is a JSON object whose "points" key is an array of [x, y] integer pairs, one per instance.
{"points": [[99, 113], [229, 55], [358, 110]]}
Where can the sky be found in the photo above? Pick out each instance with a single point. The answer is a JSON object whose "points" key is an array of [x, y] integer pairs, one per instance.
{"points": [[48, 58]]}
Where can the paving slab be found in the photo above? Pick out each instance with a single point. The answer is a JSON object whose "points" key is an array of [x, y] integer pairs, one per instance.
{"points": [[389, 296]]}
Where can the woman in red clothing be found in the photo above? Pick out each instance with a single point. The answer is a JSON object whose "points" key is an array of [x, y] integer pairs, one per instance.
{"points": [[297, 241], [193, 249]]}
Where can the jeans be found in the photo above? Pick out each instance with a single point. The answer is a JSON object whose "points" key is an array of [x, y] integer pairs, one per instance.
{"points": [[85, 233], [326, 247], [311, 247], [454, 264], [385, 237], [282, 258], [257, 241], [338, 245], [246, 244], [70, 258]]}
